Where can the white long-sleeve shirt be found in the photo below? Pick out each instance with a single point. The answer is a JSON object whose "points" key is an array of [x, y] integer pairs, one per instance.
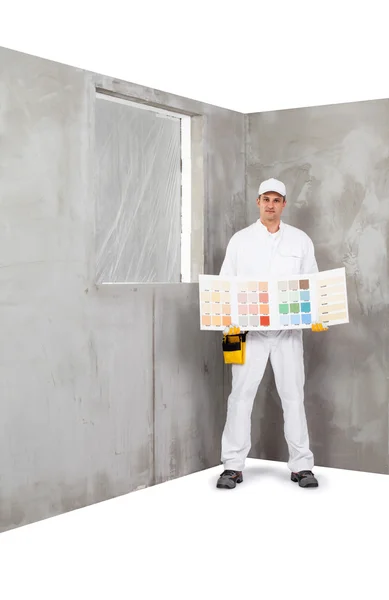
{"points": [[255, 252]]}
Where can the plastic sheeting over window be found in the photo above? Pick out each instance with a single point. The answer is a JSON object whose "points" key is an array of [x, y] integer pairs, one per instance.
{"points": [[138, 189]]}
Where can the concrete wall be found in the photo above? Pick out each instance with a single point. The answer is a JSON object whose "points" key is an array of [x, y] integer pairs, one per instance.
{"points": [[335, 163], [108, 389], [103, 390]]}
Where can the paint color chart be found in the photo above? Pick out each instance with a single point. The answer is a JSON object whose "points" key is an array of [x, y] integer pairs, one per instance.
{"points": [[294, 303], [253, 304], [332, 299], [215, 302]]}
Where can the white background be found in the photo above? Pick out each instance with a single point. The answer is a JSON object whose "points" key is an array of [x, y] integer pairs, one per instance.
{"points": [[247, 56]]}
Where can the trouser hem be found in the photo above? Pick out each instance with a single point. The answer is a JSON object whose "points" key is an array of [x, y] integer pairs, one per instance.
{"points": [[233, 466], [301, 466]]}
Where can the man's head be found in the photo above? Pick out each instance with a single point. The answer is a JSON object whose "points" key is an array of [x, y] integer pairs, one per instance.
{"points": [[271, 201]]}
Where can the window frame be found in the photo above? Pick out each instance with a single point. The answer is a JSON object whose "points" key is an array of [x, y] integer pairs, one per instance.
{"points": [[186, 184]]}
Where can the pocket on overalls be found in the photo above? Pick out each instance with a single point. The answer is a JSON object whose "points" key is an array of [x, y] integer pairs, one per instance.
{"points": [[290, 262]]}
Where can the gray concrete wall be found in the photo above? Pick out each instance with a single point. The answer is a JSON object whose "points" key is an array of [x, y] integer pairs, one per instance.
{"points": [[103, 390], [335, 163], [108, 389]]}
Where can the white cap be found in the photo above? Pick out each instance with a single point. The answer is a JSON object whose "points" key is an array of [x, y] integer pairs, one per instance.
{"points": [[272, 185]]}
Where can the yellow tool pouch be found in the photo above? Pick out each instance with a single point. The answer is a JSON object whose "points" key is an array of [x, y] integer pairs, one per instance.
{"points": [[234, 348]]}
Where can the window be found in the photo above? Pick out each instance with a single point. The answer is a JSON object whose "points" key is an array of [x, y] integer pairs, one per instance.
{"points": [[143, 191]]}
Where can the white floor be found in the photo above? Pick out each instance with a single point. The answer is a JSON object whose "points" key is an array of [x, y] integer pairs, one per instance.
{"points": [[267, 539]]}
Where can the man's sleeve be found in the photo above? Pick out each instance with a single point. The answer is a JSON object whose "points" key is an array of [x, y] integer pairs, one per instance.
{"points": [[309, 261], [228, 268]]}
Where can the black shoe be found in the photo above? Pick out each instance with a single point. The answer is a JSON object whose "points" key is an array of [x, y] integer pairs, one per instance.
{"points": [[229, 479], [305, 479]]}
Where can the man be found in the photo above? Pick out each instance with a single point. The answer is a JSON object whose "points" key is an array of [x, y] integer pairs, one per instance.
{"points": [[268, 248]]}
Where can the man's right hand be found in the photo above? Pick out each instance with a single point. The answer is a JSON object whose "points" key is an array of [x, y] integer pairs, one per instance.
{"points": [[232, 330]]}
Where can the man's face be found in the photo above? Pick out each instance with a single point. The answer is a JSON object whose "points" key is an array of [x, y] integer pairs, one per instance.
{"points": [[271, 206]]}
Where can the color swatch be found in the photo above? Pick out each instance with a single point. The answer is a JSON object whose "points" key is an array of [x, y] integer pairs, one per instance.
{"points": [[253, 304], [294, 303], [215, 298], [332, 300]]}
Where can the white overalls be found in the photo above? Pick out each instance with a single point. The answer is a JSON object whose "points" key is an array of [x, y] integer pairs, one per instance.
{"points": [[254, 252]]}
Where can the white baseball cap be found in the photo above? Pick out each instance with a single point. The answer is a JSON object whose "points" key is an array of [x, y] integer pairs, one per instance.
{"points": [[272, 185]]}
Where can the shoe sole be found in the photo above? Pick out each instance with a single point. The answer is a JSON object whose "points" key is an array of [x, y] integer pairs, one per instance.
{"points": [[224, 486]]}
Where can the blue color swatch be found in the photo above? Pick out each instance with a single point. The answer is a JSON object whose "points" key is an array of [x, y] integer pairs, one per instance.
{"points": [[307, 319], [295, 319], [304, 296], [305, 307], [284, 319]]}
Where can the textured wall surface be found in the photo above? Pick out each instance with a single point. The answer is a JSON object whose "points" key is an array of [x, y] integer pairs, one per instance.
{"points": [[102, 389], [107, 389], [335, 163]]}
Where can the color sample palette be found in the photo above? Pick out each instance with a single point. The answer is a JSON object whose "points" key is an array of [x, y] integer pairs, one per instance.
{"points": [[290, 303], [215, 303], [294, 303], [253, 304], [332, 299]]}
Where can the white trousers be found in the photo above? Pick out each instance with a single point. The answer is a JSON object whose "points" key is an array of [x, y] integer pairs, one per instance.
{"points": [[285, 350]]}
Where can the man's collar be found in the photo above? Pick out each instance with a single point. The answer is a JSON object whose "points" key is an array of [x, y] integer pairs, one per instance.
{"points": [[265, 229]]}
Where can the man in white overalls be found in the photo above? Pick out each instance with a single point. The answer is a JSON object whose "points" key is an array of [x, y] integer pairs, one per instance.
{"points": [[266, 249]]}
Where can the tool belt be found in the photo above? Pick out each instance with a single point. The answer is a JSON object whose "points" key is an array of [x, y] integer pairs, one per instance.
{"points": [[234, 348]]}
